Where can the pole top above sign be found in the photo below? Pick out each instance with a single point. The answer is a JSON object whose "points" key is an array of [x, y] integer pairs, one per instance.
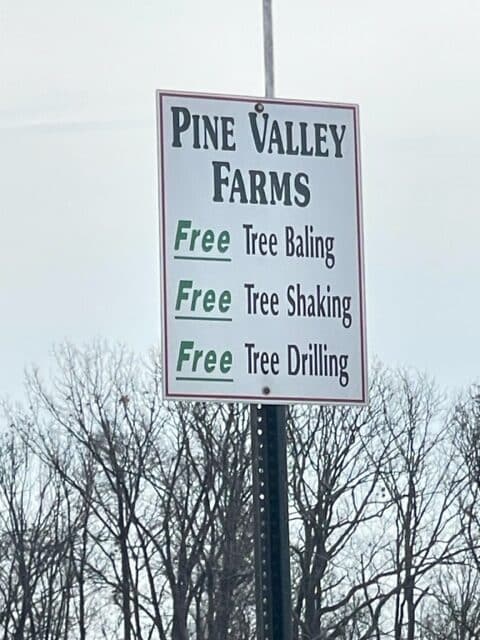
{"points": [[261, 250]]}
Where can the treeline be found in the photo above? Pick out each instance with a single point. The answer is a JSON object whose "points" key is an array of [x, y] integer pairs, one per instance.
{"points": [[125, 517]]}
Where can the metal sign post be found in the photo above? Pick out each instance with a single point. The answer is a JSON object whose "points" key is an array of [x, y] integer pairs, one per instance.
{"points": [[268, 48], [270, 498], [270, 489]]}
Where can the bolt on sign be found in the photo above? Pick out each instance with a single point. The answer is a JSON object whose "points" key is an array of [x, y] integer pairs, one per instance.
{"points": [[261, 250]]}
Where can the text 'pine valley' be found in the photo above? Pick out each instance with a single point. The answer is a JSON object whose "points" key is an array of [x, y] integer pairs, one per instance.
{"points": [[268, 135]]}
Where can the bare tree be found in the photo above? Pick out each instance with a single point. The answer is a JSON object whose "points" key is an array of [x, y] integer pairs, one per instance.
{"points": [[453, 610], [124, 516], [424, 481], [465, 432], [202, 487], [163, 521], [375, 495], [335, 460], [95, 429], [36, 573]]}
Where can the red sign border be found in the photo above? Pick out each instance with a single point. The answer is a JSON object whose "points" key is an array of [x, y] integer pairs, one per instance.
{"points": [[261, 399]]}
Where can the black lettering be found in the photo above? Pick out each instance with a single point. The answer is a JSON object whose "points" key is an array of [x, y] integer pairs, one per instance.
{"points": [[290, 149], [320, 139], [210, 130], [302, 189], [276, 138], [257, 187], [280, 191], [227, 132], [238, 186], [338, 139], [218, 180], [293, 360], [259, 142], [196, 131], [180, 124]]}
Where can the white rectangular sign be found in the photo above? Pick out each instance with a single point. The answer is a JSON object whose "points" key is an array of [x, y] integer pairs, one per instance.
{"points": [[261, 250]]}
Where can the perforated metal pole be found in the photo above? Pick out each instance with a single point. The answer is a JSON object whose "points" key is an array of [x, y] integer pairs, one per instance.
{"points": [[270, 492], [272, 561]]}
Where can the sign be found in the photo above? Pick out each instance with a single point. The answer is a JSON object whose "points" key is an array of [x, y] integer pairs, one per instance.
{"points": [[261, 250]]}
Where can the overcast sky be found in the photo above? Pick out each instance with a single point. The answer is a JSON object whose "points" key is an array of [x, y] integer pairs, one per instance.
{"points": [[78, 206]]}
